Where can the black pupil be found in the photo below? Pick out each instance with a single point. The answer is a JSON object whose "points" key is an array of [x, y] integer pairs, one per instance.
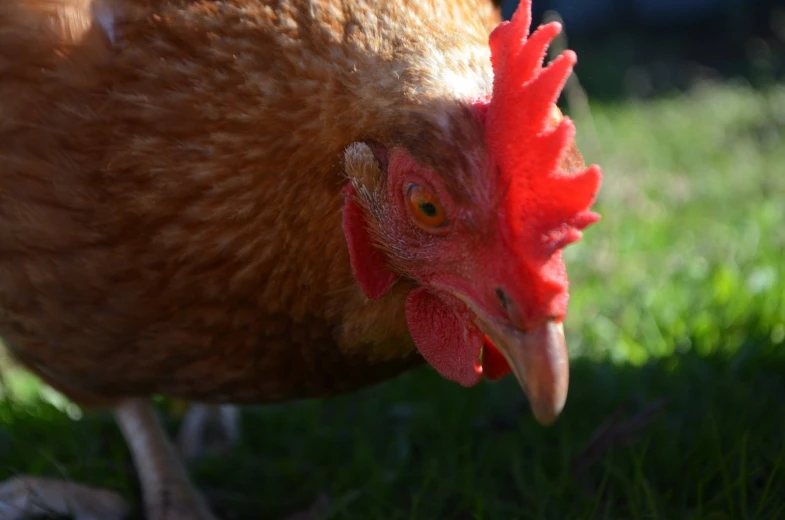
{"points": [[428, 209]]}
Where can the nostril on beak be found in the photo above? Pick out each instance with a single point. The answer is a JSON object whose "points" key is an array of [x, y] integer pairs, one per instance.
{"points": [[511, 309], [503, 298]]}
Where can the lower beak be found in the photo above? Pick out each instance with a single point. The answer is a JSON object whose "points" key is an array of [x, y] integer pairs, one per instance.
{"points": [[538, 359]]}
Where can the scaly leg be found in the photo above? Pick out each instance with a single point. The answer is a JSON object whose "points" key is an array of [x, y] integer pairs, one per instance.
{"points": [[167, 491], [193, 439]]}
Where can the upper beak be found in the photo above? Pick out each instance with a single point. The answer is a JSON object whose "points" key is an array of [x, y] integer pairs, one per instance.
{"points": [[538, 359]]}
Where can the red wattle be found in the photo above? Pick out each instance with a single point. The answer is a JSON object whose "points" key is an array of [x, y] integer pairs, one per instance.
{"points": [[494, 365], [447, 341]]}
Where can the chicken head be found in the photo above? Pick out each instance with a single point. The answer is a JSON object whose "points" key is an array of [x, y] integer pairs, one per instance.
{"points": [[483, 248]]}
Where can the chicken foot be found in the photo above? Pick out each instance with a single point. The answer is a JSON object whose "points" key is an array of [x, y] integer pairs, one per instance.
{"points": [[27, 497], [167, 491]]}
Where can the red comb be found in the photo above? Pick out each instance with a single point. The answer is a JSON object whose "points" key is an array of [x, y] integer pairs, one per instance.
{"points": [[545, 207]]}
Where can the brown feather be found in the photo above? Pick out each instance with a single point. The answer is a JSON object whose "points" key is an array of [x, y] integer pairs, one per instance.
{"points": [[170, 186]]}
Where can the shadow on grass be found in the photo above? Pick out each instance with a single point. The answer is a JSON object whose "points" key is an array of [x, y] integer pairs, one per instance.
{"points": [[420, 447]]}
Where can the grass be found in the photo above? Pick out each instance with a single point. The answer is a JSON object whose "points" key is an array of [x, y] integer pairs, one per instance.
{"points": [[678, 298]]}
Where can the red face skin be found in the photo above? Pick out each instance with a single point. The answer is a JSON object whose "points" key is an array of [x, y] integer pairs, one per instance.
{"points": [[492, 287]]}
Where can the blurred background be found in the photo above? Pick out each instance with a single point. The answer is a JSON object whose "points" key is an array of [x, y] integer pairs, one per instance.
{"points": [[642, 48], [676, 324]]}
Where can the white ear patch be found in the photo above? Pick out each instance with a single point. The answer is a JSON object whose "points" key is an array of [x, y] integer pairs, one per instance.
{"points": [[361, 166]]}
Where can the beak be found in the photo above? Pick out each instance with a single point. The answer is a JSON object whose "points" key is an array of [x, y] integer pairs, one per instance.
{"points": [[538, 359]]}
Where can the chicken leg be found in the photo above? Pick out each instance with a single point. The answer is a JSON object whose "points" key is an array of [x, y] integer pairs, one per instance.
{"points": [[167, 491], [208, 429]]}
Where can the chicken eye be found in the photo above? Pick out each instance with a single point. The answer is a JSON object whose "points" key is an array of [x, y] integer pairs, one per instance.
{"points": [[424, 207]]}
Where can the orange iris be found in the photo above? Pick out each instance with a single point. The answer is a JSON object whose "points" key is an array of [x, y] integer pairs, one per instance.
{"points": [[424, 207]]}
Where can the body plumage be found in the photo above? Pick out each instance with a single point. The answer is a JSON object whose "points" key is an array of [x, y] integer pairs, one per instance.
{"points": [[251, 201]]}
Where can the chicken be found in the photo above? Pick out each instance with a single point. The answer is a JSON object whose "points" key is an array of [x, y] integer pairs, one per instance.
{"points": [[255, 201]]}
